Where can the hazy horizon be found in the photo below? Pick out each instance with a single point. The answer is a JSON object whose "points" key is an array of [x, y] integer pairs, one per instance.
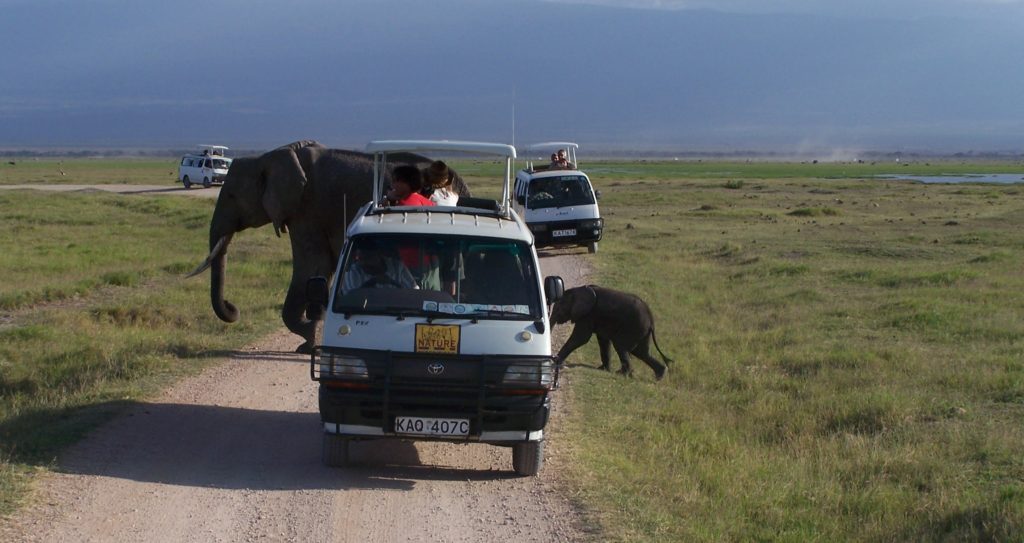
{"points": [[647, 75]]}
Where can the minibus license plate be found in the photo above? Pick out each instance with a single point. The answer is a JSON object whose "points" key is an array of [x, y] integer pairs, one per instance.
{"points": [[563, 233], [422, 426]]}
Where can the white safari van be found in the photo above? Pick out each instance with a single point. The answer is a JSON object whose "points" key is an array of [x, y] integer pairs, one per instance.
{"points": [[435, 324], [557, 200], [208, 165]]}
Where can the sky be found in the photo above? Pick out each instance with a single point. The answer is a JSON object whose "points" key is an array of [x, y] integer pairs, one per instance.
{"points": [[841, 76]]}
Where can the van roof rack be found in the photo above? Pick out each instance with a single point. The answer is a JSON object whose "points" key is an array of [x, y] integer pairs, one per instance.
{"points": [[381, 148]]}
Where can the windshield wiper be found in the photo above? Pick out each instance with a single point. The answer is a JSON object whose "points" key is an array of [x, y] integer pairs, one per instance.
{"points": [[497, 313]]}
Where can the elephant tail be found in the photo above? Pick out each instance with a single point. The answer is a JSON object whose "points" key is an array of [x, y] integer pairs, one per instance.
{"points": [[663, 356]]}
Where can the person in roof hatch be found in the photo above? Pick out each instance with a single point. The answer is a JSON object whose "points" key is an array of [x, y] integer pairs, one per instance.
{"points": [[406, 182], [438, 186]]}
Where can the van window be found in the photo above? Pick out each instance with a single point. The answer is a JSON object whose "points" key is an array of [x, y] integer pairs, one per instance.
{"points": [[207, 163], [220, 164], [412, 274], [561, 191]]}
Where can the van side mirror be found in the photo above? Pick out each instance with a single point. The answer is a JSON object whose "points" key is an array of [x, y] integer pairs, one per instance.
{"points": [[316, 297], [553, 288], [597, 194]]}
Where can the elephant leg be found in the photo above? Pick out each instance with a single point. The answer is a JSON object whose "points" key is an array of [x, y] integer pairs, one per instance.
{"points": [[624, 359], [308, 260], [294, 319], [606, 359], [581, 334], [642, 351]]}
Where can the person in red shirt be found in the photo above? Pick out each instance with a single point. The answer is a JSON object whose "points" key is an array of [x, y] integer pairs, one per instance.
{"points": [[406, 182]]}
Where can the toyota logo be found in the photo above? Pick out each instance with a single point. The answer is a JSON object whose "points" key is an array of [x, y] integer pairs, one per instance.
{"points": [[436, 368]]}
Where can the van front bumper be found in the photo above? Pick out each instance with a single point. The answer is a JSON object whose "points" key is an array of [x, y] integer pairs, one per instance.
{"points": [[477, 389], [567, 232]]}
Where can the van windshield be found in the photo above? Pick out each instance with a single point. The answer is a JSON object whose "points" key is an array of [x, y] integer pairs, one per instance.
{"points": [[560, 191], [221, 164], [438, 275]]}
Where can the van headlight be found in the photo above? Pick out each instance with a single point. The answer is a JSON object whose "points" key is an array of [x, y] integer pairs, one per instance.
{"points": [[591, 223], [334, 366], [533, 373], [538, 227]]}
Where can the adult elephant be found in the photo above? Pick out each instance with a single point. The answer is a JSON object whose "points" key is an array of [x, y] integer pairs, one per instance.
{"points": [[305, 190]]}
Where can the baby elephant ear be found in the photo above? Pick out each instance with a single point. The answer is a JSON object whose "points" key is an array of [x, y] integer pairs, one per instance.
{"points": [[583, 301]]}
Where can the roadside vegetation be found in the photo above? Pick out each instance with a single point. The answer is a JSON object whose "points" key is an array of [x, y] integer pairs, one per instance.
{"points": [[95, 312], [849, 353], [849, 363]]}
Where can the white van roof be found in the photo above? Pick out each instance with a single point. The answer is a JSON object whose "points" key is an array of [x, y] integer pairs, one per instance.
{"points": [[419, 146], [442, 221]]}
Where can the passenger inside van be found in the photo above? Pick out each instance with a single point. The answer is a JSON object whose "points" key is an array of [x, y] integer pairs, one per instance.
{"points": [[373, 267]]}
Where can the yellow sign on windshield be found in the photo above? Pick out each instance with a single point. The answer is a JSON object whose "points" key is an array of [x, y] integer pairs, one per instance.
{"points": [[437, 338]]}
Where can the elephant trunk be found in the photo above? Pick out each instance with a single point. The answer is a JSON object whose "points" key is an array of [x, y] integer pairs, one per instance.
{"points": [[224, 309]]}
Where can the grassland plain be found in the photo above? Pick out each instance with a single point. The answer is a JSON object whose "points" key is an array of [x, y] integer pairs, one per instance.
{"points": [[95, 312], [89, 171], [848, 351], [849, 362]]}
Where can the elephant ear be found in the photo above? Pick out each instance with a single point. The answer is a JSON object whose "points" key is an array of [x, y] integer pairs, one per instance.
{"points": [[583, 302], [459, 185], [284, 180]]}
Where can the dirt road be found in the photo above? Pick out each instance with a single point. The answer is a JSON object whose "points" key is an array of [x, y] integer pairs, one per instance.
{"points": [[233, 455]]}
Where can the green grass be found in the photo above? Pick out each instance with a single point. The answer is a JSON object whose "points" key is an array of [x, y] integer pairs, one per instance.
{"points": [[97, 312], [90, 171], [853, 375], [737, 175]]}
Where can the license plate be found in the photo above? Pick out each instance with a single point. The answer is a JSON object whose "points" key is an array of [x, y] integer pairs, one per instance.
{"points": [[423, 426], [563, 233], [437, 338]]}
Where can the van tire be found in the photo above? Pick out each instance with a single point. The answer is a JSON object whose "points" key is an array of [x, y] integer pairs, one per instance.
{"points": [[592, 248], [335, 453], [186, 182], [528, 458], [206, 183]]}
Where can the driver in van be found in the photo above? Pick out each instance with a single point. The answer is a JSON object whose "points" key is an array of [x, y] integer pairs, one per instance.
{"points": [[372, 268]]}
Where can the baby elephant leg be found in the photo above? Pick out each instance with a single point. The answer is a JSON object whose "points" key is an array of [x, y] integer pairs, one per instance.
{"points": [[624, 359], [606, 357], [642, 351]]}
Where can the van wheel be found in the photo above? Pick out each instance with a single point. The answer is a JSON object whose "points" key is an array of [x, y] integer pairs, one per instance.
{"points": [[206, 183], [334, 452], [186, 182], [592, 248], [528, 458]]}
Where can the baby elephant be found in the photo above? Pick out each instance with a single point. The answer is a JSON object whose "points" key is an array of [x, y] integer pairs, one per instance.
{"points": [[619, 318]]}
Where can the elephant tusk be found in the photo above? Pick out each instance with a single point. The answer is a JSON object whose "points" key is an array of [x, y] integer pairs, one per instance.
{"points": [[214, 253], [202, 267]]}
